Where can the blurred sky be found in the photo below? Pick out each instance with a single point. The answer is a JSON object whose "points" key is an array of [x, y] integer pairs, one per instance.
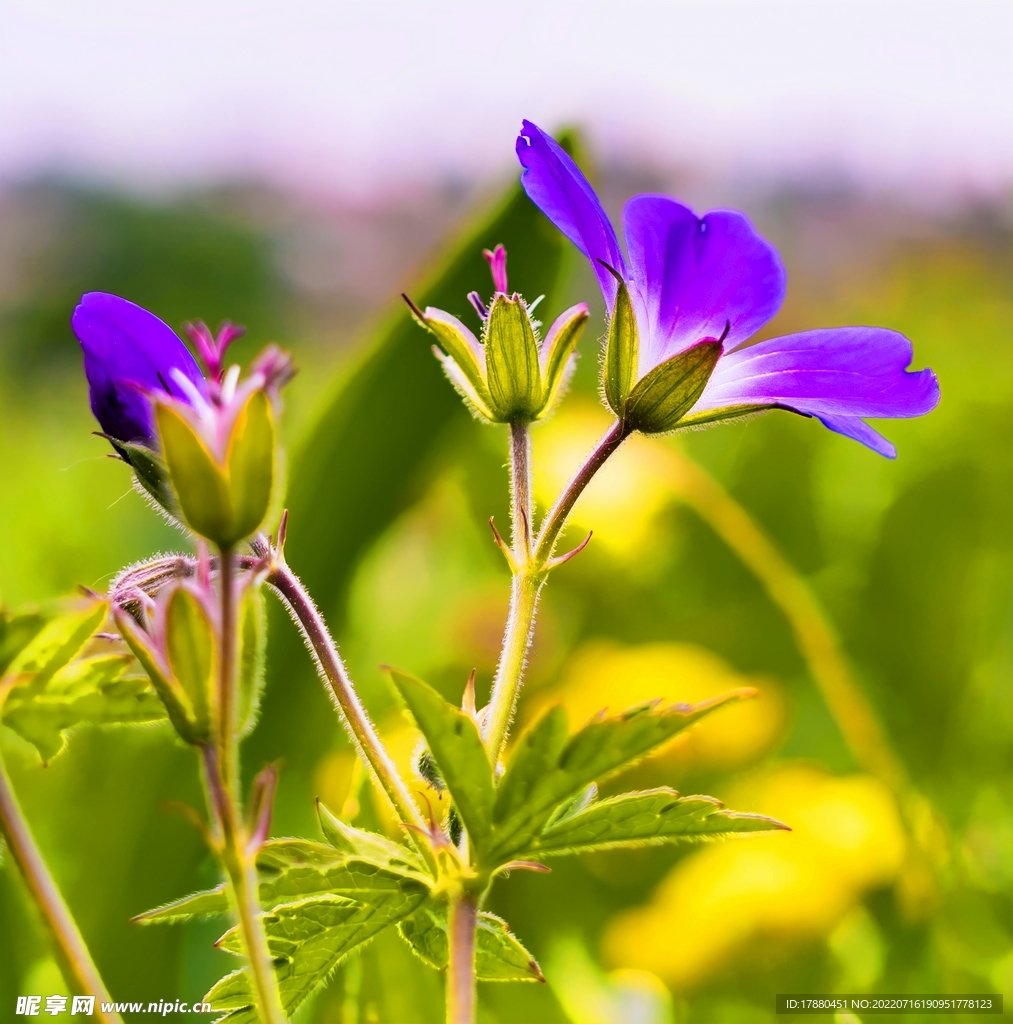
{"points": [[354, 96]]}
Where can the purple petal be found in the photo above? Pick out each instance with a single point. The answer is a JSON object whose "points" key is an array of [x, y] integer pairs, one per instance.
{"points": [[557, 187], [695, 274], [859, 430], [839, 375], [128, 351]]}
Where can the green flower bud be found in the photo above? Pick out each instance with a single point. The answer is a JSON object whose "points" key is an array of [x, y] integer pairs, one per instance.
{"points": [[223, 496], [510, 375]]}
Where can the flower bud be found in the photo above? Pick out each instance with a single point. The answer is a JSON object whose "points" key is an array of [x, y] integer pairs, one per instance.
{"points": [[224, 494], [510, 375]]}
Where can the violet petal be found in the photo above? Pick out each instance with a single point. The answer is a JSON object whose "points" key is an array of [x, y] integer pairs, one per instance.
{"points": [[128, 351], [837, 374], [557, 187], [695, 274]]}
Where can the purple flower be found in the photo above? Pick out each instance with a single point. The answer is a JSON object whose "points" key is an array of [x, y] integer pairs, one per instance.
{"points": [[128, 355], [714, 280]]}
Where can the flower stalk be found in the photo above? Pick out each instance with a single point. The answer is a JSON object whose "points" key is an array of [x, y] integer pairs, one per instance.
{"points": [[463, 922], [332, 671], [72, 954], [238, 856]]}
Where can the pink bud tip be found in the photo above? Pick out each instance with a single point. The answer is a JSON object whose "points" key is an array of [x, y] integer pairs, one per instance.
{"points": [[497, 264]]}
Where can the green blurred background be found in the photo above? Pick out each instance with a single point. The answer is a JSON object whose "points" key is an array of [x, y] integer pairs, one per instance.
{"points": [[390, 487]]}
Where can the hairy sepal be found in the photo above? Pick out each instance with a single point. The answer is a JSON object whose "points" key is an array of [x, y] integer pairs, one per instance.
{"points": [[557, 350], [621, 349], [512, 361], [665, 394]]}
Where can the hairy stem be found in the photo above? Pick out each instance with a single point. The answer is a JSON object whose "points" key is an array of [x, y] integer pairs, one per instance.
{"points": [[239, 862], [520, 490], [531, 570], [557, 515], [332, 671], [72, 954], [462, 926], [227, 666], [524, 590]]}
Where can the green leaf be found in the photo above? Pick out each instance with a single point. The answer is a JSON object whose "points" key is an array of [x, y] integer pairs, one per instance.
{"points": [[198, 481], [16, 632], [294, 869], [198, 904], [511, 361], [94, 690], [190, 646], [251, 461], [651, 817], [55, 645], [498, 954], [621, 349], [455, 743], [729, 412], [353, 841], [558, 347], [544, 772], [308, 939], [252, 657], [664, 395]]}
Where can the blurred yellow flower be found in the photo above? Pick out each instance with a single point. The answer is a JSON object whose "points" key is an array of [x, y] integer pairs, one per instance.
{"points": [[605, 674], [847, 839], [622, 502]]}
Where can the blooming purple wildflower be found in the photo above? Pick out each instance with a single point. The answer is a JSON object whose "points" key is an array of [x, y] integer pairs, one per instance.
{"points": [[714, 279], [128, 355]]}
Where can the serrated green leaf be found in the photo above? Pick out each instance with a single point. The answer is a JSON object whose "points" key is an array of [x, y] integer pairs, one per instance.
{"points": [[547, 774], [537, 753], [55, 645], [93, 690], [511, 360], [347, 839], [621, 349], [252, 657], [498, 954], [650, 817], [190, 646], [455, 743], [250, 462], [308, 939], [295, 869], [664, 395], [198, 904]]}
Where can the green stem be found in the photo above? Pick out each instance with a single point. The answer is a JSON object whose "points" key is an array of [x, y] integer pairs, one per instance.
{"points": [[227, 742], [520, 491], [72, 954], [556, 518], [462, 925], [332, 671], [239, 862], [531, 570]]}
